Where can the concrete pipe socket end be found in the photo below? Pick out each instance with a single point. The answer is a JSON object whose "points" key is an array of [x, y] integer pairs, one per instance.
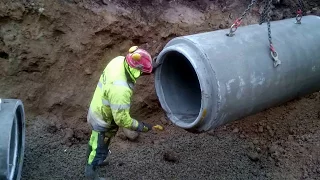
{"points": [[12, 140], [180, 88]]}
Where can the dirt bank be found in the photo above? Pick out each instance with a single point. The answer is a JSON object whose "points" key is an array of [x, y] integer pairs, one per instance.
{"points": [[52, 53]]}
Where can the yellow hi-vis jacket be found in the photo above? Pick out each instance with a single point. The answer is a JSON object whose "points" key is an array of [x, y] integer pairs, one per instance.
{"points": [[110, 104]]}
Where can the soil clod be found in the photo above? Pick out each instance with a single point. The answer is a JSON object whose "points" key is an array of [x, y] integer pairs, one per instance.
{"points": [[260, 129], [236, 130], [52, 129], [254, 156]]}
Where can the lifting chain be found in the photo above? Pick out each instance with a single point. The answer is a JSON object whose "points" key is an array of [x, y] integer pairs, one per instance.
{"points": [[299, 12], [238, 21], [264, 13], [265, 17]]}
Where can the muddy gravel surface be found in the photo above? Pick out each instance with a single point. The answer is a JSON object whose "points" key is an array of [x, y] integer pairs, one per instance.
{"points": [[280, 143], [52, 54]]}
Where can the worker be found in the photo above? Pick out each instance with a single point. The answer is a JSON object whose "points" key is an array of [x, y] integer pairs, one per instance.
{"points": [[110, 105]]}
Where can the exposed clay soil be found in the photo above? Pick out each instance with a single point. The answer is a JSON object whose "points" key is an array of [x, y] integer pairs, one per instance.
{"points": [[52, 54]]}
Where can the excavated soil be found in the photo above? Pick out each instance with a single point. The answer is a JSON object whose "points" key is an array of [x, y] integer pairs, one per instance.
{"points": [[52, 54]]}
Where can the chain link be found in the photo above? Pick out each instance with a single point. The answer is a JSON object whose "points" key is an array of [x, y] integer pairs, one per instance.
{"points": [[301, 5], [299, 11], [268, 21], [247, 10], [264, 13], [266, 17], [238, 21]]}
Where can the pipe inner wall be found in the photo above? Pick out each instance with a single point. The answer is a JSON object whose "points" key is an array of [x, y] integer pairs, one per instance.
{"points": [[180, 81]]}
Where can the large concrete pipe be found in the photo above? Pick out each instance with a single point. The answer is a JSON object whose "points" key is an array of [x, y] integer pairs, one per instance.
{"points": [[209, 79], [12, 138]]}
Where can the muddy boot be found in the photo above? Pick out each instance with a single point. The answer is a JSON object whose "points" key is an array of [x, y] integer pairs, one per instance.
{"points": [[92, 174], [105, 162]]}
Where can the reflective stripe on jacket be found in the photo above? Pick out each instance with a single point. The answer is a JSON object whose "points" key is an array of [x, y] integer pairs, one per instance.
{"points": [[110, 104]]}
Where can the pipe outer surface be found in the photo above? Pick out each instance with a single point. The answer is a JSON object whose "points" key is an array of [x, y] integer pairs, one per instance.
{"points": [[12, 139], [236, 74]]}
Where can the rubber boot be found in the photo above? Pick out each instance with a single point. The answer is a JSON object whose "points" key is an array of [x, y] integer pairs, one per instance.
{"points": [[92, 174], [105, 162], [90, 171]]}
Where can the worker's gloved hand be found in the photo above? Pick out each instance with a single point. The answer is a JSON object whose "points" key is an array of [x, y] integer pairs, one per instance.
{"points": [[144, 127]]}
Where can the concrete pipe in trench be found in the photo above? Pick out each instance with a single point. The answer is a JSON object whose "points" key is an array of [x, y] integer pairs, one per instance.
{"points": [[12, 138], [209, 79]]}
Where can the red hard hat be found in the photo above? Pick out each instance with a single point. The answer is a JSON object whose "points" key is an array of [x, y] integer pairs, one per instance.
{"points": [[139, 59]]}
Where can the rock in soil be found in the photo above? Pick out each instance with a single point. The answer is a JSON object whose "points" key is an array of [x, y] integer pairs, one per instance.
{"points": [[211, 132], [224, 128], [131, 135], [271, 132], [254, 156], [236, 130], [68, 136], [290, 138], [242, 136], [88, 71], [164, 121], [255, 172], [273, 148], [258, 150], [260, 129], [68, 133], [255, 141]]}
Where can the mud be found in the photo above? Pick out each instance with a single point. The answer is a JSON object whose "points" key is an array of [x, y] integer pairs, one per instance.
{"points": [[52, 54], [287, 148]]}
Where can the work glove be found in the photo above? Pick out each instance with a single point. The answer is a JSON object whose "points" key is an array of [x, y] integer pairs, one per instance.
{"points": [[144, 127]]}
